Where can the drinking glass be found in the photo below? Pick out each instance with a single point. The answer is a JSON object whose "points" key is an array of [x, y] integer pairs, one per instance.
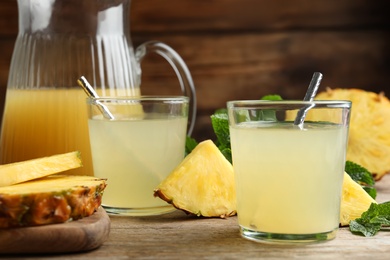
{"points": [[288, 176], [136, 149]]}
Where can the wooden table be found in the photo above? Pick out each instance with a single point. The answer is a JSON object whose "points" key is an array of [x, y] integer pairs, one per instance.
{"points": [[178, 236]]}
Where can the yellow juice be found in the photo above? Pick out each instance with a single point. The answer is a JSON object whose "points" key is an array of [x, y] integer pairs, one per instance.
{"points": [[135, 156], [43, 122], [39, 123], [289, 180]]}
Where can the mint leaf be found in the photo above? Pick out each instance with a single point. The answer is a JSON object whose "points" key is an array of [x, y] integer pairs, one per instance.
{"points": [[358, 173], [385, 221], [227, 152], [220, 124], [221, 111], [371, 191], [191, 143], [373, 220], [269, 115], [272, 97], [362, 176], [367, 229]]}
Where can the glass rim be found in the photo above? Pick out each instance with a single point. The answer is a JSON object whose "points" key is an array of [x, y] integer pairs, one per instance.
{"points": [[276, 103], [91, 100]]}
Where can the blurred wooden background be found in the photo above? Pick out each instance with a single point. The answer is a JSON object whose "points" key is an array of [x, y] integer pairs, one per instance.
{"points": [[249, 48]]}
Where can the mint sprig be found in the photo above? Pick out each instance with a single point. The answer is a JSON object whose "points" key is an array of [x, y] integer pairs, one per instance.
{"points": [[377, 217], [220, 124], [272, 97], [191, 143], [362, 176], [269, 115]]}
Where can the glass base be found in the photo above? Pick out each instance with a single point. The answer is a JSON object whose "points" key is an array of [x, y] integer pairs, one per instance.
{"points": [[138, 211], [279, 238]]}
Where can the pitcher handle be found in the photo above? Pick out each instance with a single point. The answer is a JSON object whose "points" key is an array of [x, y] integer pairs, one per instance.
{"points": [[180, 68]]}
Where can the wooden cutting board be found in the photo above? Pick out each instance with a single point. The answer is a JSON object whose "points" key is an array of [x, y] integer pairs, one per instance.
{"points": [[75, 236]]}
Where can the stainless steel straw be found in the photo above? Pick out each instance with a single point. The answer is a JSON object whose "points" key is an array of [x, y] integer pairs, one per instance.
{"points": [[83, 82], [310, 94]]}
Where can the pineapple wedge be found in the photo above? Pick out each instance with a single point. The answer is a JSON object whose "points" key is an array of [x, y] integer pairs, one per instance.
{"points": [[202, 184], [49, 200], [354, 201], [369, 128], [14, 173]]}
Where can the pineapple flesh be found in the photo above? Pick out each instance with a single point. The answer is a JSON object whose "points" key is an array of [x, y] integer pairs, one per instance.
{"points": [[202, 184], [369, 128], [49, 200], [14, 173], [354, 201]]}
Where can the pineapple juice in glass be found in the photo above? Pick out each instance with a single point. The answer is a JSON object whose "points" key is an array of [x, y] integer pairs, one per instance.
{"points": [[137, 149], [288, 177]]}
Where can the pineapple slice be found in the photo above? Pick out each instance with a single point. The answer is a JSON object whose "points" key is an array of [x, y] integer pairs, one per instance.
{"points": [[14, 173], [369, 131], [354, 201], [52, 199], [202, 184]]}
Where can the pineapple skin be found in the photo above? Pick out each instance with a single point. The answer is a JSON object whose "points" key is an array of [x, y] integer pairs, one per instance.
{"points": [[50, 206]]}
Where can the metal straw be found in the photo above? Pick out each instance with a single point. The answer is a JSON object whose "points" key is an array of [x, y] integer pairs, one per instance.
{"points": [[83, 82], [310, 94]]}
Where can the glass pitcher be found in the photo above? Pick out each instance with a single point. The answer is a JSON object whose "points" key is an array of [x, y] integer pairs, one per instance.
{"points": [[58, 42]]}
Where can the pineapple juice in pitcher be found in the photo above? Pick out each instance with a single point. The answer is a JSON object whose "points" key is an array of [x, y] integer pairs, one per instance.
{"points": [[43, 122], [36, 123], [58, 42]]}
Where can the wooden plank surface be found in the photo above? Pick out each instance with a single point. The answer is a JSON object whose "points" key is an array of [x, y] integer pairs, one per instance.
{"points": [[194, 16], [254, 15], [248, 66], [178, 236]]}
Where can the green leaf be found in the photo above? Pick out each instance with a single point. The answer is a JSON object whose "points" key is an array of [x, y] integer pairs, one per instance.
{"points": [[191, 143], [362, 176], [371, 191], [269, 115], [221, 111], [359, 174], [272, 97], [372, 221], [366, 229], [382, 209], [381, 220], [227, 152], [220, 124]]}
